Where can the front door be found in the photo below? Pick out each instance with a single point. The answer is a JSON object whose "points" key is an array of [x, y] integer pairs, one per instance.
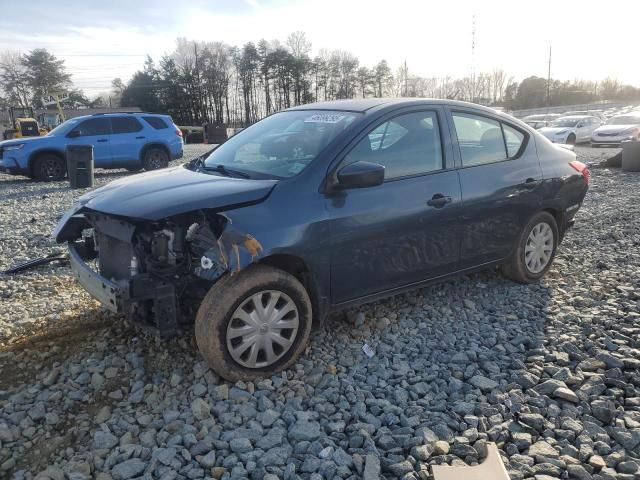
{"points": [[501, 180], [406, 229], [96, 132]]}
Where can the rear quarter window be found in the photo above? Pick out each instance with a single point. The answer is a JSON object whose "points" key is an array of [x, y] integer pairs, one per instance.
{"points": [[156, 122]]}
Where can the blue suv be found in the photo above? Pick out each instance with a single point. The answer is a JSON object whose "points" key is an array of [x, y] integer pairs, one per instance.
{"points": [[120, 140]]}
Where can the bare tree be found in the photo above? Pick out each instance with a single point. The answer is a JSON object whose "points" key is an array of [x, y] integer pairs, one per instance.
{"points": [[15, 82]]}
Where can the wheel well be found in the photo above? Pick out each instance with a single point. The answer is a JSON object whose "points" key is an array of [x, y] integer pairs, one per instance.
{"points": [[35, 155], [154, 145], [297, 267], [557, 215]]}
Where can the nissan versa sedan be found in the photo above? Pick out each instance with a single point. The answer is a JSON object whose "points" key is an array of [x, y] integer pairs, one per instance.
{"points": [[318, 208]]}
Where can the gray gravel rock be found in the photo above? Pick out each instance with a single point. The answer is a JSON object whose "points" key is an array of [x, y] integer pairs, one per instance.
{"points": [[548, 371]]}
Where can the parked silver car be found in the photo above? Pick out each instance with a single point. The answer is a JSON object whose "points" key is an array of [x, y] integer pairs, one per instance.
{"points": [[572, 129], [618, 129]]}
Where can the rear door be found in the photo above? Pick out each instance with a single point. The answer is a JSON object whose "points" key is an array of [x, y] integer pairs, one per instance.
{"points": [[501, 182], [127, 139], [405, 230], [96, 132]]}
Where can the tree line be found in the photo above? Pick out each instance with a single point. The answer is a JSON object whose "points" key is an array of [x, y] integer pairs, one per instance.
{"points": [[213, 82]]}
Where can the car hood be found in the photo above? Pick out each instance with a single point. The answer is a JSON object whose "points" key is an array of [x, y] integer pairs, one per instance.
{"points": [[25, 140], [614, 128], [171, 191], [550, 131]]}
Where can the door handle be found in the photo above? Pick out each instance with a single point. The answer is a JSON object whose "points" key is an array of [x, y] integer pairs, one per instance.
{"points": [[101, 140], [531, 183], [439, 200], [139, 138]]}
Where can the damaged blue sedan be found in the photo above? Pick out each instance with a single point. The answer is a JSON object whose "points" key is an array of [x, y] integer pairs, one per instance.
{"points": [[318, 208]]}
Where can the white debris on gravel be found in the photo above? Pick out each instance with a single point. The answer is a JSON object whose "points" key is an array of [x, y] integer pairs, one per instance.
{"points": [[550, 372]]}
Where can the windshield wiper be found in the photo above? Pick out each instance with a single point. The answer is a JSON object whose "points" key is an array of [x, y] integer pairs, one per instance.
{"points": [[227, 171]]}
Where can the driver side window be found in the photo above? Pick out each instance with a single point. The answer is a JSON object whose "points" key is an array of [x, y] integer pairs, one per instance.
{"points": [[92, 127], [406, 145]]}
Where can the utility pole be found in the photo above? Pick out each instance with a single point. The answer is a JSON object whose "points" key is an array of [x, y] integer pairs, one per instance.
{"points": [[406, 76], [473, 57], [549, 79]]}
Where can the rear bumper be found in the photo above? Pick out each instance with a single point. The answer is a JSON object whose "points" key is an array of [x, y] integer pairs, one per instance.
{"points": [[105, 291]]}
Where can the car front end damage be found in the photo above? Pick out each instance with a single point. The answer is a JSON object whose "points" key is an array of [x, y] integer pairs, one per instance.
{"points": [[155, 273]]}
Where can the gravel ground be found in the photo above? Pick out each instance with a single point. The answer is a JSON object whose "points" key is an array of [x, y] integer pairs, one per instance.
{"points": [[550, 372]]}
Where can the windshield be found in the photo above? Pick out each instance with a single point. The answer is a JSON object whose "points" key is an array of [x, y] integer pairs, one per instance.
{"points": [[281, 145], [565, 122], [625, 120], [62, 128]]}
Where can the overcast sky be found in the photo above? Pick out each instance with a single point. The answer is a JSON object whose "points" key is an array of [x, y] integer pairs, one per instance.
{"points": [[100, 41]]}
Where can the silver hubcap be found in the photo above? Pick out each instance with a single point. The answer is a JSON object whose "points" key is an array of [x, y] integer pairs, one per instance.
{"points": [[539, 248], [262, 329]]}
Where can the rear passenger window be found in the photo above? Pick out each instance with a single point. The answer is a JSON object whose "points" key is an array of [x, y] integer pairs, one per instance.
{"points": [[156, 122], [125, 125], [406, 145], [484, 140], [480, 139], [513, 138]]}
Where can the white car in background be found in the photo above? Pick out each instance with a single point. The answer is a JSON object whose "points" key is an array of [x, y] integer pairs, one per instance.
{"points": [[618, 129], [572, 129]]}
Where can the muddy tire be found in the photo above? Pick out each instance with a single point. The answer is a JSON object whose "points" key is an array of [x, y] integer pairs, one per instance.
{"points": [[49, 168], [155, 158], [254, 323], [535, 250]]}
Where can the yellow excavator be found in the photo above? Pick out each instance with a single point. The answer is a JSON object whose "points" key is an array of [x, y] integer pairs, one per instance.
{"points": [[22, 124]]}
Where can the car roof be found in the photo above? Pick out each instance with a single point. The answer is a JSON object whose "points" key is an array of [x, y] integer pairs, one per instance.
{"points": [[362, 105], [118, 114], [574, 117]]}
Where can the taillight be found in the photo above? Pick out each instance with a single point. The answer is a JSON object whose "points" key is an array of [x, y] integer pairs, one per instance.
{"points": [[178, 131], [581, 168]]}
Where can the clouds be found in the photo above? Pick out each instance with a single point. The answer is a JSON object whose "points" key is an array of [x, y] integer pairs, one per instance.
{"points": [[433, 37]]}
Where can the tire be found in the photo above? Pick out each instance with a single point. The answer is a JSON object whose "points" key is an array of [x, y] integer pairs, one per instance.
{"points": [[49, 167], [571, 139], [155, 158], [232, 295], [518, 269]]}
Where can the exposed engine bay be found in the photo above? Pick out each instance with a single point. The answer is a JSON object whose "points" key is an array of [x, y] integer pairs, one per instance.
{"points": [[162, 269]]}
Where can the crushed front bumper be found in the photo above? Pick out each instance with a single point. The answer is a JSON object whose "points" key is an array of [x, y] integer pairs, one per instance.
{"points": [[105, 291], [144, 300]]}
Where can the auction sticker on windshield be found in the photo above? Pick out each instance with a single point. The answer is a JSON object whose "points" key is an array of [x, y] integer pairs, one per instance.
{"points": [[325, 118]]}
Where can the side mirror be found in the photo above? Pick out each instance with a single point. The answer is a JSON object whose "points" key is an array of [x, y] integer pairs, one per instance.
{"points": [[73, 134], [580, 125], [360, 175]]}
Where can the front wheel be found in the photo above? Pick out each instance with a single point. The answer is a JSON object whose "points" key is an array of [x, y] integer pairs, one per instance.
{"points": [[535, 250], [155, 158], [571, 139], [254, 323], [49, 167]]}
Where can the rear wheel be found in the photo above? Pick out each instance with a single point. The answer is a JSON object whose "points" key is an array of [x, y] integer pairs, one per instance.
{"points": [[535, 250], [49, 167], [254, 323], [155, 158]]}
